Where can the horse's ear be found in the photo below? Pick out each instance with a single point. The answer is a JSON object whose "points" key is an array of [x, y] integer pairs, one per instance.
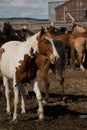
{"points": [[42, 31]]}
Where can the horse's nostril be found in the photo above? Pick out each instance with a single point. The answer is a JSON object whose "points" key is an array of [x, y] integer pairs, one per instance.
{"points": [[56, 58]]}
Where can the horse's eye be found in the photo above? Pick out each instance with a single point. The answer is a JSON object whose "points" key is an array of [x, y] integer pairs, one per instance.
{"points": [[47, 42]]}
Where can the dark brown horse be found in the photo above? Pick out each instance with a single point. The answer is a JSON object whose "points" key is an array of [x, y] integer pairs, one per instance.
{"points": [[13, 34], [3, 38]]}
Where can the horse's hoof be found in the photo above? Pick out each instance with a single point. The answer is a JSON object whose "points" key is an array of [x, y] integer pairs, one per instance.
{"points": [[41, 115], [14, 121], [9, 113], [23, 112]]}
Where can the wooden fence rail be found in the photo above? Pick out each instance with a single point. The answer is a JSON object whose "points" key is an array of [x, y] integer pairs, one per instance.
{"points": [[36, 25]]}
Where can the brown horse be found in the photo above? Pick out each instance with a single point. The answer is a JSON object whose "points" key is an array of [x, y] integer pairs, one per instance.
{"points": [[80, 47], [78, 44], [58, 68]]}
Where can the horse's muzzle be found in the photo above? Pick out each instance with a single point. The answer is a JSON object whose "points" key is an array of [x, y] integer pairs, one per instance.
{"points": [[54, 59]]}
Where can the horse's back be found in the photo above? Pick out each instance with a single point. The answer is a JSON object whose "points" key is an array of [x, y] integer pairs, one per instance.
{"points": [[9, 59], [10, 44], [79, 29], [10, 50]]}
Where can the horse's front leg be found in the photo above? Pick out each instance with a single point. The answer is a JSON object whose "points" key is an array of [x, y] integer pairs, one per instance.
{"points": [[46, 82], [60, 78], [44, 77], [6, 84], [39, 98]]}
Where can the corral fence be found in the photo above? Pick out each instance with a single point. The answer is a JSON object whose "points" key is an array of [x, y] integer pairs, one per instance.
{"points": [[36, 25]]}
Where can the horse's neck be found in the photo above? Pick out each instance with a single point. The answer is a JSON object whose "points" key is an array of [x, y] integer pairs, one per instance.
{"points": [[33, 42]]}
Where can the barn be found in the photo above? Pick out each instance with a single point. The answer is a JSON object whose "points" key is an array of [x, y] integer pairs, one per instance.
{"points": [[51, 9], [75, 10]]}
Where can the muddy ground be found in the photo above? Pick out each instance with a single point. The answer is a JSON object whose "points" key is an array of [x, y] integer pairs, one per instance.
{"points": [[59, 115]]}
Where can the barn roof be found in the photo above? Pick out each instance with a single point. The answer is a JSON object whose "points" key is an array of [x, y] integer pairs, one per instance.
{"points": [[64, 4]]}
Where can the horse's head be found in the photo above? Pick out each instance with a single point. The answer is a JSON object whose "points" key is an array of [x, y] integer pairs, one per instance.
{"points": [[56, 31], [46, 45], [53, 30]]}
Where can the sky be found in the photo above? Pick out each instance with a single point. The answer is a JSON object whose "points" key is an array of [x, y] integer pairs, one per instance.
{"points": [[24, 8]]}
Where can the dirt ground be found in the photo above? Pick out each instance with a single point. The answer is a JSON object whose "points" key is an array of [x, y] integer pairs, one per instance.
{"points": [[59, 115]]}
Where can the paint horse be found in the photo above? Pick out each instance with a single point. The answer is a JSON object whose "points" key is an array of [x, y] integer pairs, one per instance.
{"points": [[58, 68], [18, 62]]}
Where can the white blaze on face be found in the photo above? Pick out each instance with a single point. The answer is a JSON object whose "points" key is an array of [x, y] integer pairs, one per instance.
{"points": [[55, 55], [55, 51]]}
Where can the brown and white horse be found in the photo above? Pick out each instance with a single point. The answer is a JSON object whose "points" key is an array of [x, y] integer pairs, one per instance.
{"points": [[18, 62]]}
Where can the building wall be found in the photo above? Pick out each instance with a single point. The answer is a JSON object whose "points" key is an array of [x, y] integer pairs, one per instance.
{"points": [[51, 9], [71, 5]]}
